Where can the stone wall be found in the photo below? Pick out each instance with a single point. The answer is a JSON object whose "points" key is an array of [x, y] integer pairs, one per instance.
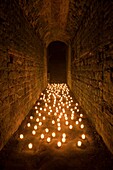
{"points": [[92, 66], [21, 68]]}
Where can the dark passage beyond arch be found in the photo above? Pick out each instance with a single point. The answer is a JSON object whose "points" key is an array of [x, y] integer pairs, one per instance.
{"points": [[57, 54]]}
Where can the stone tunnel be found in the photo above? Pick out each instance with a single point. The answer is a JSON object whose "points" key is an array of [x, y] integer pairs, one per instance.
{"points": [[56, 41]]}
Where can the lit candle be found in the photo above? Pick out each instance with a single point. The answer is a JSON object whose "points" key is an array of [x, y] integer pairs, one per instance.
{"points": [[53, 122], [81, 115], [42, 136], [76, 104], [66, 118], [82, 126], [30, 145], [40, 123], [44, 118], [63, 140], [48, 139], [58, 120], [53, 134], [28, 124], [80, 119], [49, 113], [31, 117], [83, 136], [77, 122], [39, 114], [35, 127], [36, 107], [45, 109], [79, 143], [46, 130], [64, 135], [70, 126], [66, 122], [55, 114], [40, 108], [36, 111], [21, 136], [77, 110], [59, 128], [59, 144], [72, 117], [34, 132], [38, 103], [58, 124]]}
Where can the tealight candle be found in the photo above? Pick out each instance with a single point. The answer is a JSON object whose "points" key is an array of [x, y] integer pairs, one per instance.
{"points": [[30, 145], [53, 134], [70, 127], [77, 122], [21, 136], [83, 136], [80, 119], [81, 115], [59, 128], [66, 118], [47, 130], [66, 122], [40, 108], [72, 117], [75, 107], [64, 135], [77, 110], [76, 104], [34, 132], [48, 139], [42, 136], [59, 144], [40, 123], [28, 124], [31, 117], [58, 124], [39, 114], [63, 140], [36, 107], [37, 119], [55, 114], [82, 126], [49, 113], [44, 118], [53, 122], [38, 103], [58, 120], [44, 109], [79, 143], [35, 127], [36, 111]]}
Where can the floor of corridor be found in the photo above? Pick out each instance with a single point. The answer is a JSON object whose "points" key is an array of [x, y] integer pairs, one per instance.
{"points": [[56, 135]]}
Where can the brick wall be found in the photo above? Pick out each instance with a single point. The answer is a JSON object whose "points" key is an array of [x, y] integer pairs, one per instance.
{"points": [[92, 66], [21, 68]]}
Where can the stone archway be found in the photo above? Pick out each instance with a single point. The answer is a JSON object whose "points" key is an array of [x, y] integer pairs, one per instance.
{"points": [[57, 52]]}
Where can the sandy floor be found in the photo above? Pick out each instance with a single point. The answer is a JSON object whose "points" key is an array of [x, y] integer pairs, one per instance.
{"points": [[92, 154]]}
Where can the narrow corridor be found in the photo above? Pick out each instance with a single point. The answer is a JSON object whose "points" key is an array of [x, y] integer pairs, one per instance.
{"points": [[55, 135]]}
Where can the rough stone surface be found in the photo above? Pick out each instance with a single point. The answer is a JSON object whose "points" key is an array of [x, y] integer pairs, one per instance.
{"points": [[21, 68], [92, 67]]}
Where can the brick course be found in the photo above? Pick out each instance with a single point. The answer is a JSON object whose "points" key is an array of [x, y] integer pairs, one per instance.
{"points": [[21, 68], [92, 67]]}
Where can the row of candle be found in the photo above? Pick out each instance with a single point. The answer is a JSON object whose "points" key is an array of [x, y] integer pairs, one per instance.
{"points": [[56, 92]]}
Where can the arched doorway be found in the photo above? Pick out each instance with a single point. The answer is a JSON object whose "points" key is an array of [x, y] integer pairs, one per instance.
{"points": [[56, 59]]}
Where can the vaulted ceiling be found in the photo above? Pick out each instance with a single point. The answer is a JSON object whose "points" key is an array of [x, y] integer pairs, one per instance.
{"points": [[54, 19]]}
